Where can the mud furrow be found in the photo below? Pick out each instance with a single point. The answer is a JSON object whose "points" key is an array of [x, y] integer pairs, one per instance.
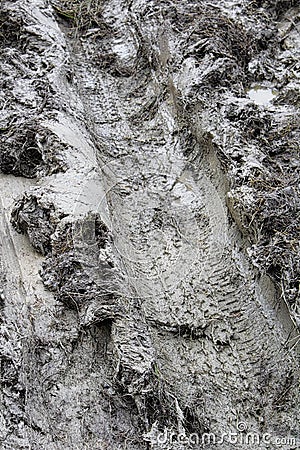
{"points": [[157, 321]]}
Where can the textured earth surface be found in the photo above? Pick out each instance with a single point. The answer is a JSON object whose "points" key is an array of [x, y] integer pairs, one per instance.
{"points": [[149, 240]]}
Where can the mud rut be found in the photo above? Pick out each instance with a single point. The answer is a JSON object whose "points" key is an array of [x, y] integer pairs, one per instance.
{"points": [[182, 258], [194, 306]]}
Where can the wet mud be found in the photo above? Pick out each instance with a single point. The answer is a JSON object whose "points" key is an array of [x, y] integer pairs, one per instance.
{"points": [[149, 157]]}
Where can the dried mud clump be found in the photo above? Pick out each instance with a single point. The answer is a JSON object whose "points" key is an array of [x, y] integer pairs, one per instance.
{"points": [[37, 219], [21, 155], [80, 14], [222, 37], [80, 269], [79, 266], [29, 151], [265, 199], [10, 30], [220, 45], [277, 249], [27, 148]]}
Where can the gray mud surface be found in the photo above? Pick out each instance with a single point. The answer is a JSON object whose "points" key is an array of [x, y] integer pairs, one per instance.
{"points": [[149, 240]]}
